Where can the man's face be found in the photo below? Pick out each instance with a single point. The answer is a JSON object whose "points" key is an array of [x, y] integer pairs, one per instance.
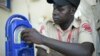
{"points": [[61, 14]]}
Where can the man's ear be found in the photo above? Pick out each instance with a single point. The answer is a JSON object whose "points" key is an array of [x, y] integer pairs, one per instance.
{"points": [[72, 11]]}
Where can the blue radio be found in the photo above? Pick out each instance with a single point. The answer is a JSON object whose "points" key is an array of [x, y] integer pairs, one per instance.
{"points": [[15, 46]]}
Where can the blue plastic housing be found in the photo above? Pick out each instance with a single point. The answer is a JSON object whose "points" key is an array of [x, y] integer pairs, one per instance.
{"points": [[17, 49]]}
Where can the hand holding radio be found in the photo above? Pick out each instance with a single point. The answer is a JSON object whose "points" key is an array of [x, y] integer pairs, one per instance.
{"points": [[32, 35]]}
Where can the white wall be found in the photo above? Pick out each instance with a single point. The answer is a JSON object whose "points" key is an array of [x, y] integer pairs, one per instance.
{"points": [[39, 10], [18, 7], [3, 16]]}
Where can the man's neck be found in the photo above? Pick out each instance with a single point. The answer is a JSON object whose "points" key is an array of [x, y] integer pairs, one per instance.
{"points": [[66, 25]]}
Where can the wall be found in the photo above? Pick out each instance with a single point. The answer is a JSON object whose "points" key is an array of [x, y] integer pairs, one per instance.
{"points": [[3, 16], [17, 8], [97, 20], [39, 10]]}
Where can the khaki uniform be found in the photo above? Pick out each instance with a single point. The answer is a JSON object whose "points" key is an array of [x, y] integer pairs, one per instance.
{"points": [[78, 32]]}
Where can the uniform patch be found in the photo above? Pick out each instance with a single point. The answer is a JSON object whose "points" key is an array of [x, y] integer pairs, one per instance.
{"points": [[87, 27]]}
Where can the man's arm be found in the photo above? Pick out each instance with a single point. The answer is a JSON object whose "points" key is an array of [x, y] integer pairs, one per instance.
{"points": [[68, 49]]}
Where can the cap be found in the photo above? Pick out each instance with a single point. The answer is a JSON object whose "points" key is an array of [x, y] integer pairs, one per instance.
{"points": [[75, 3]]}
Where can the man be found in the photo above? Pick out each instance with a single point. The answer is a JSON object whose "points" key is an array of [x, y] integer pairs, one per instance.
{"points": [[64, 37]]}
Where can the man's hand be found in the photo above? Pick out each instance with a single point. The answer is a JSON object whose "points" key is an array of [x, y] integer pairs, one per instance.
{"points": [[31, 35]]}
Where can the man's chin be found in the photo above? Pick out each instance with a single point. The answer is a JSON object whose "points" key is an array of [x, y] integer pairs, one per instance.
{"points": [[57, 22]]}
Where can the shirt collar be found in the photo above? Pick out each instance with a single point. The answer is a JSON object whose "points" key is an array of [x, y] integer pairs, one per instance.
{"points": [[75, 24]]}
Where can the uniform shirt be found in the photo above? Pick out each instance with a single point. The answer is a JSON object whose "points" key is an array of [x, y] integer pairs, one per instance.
{"points": [[78, 32]]}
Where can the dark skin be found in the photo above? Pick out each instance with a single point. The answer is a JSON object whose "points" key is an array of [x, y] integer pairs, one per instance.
{"points": [[63, 16]]}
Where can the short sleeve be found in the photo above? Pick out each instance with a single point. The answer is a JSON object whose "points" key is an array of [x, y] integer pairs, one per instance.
{"points": [[85, 33], [43, 31]]}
